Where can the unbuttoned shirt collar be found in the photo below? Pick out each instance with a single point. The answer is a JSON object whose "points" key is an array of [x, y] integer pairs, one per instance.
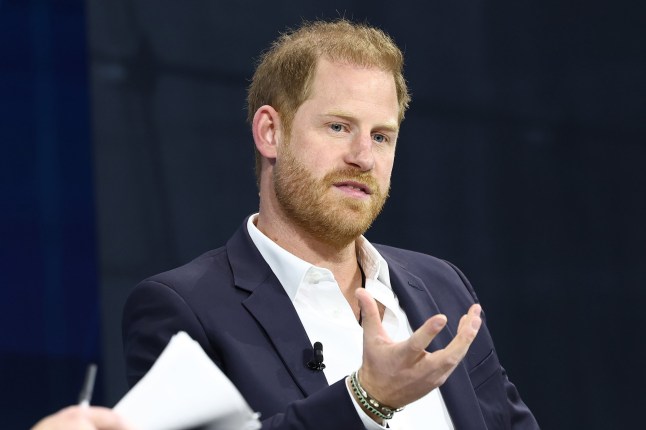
{"points": [[291, 271]]}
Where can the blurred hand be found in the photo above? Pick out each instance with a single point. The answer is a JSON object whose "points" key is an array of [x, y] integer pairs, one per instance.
{"points": [[399, 373], [82, 418]]}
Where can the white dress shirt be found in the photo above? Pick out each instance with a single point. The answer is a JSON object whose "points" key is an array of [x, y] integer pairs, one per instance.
{"points": [[328, 318]]}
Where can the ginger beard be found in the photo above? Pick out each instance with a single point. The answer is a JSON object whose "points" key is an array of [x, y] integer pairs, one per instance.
{"points": [[313, 206]]}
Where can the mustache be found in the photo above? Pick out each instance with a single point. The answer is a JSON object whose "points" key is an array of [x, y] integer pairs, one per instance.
{"points": [[347, 174]]}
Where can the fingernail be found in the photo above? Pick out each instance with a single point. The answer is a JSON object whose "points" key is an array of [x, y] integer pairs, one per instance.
{"points": [[439, 323]]}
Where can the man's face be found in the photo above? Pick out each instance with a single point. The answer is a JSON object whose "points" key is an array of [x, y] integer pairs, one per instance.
{"points": [[332, 175]]}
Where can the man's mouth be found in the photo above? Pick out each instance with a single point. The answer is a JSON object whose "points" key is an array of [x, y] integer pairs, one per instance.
{"points": [[355, 188]]}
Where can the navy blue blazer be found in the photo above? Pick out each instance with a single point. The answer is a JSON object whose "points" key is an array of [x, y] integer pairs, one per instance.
{"points": [[230, 302]]}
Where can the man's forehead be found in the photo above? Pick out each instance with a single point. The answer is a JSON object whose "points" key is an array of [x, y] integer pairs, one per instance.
{"points": [[341, 81]]}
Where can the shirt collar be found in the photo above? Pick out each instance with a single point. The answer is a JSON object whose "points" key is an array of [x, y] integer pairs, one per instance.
{"points": [[373, 264], [291, 270]]}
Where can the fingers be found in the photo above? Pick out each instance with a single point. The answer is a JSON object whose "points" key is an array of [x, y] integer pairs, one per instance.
{"points": [[106, 419], [423, 336], [470, 324], [68, 418], [467, 330], [83, 418]]}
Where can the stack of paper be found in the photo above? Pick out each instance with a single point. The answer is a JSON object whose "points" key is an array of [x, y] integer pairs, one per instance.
{"points": [[185, 389]]}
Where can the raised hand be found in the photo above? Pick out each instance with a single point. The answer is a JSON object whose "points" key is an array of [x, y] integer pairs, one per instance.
{"points": [[398, 373]]}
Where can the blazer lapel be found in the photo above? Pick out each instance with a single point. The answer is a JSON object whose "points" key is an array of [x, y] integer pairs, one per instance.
{"points": [[418, 303], [271, 307]]}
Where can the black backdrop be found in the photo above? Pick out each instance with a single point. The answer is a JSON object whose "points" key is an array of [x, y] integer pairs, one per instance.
{"points": [[521, 160], [49, 307]]}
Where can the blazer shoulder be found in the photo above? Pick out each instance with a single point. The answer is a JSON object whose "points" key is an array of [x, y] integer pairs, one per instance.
{"points": [[413, 260], [213, 262], [427, 267]]}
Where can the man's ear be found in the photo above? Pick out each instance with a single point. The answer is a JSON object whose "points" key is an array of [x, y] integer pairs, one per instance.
{"points": [[266, 131]]}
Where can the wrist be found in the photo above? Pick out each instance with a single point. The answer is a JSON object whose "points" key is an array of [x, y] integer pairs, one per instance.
{"points": [[357, 404], [379, 412]]}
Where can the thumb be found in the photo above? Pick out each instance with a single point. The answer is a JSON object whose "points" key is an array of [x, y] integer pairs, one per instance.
{"points": [[370, 318]]}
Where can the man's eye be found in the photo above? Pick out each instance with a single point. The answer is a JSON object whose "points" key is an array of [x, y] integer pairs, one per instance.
{"points": [[379, 138], [336, 127]]}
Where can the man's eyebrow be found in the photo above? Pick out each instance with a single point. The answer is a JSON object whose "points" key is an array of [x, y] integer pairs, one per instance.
{"points": [[392, 127]]}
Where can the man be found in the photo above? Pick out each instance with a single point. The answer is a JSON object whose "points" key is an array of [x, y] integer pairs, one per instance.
{"points": [[325, 106]]}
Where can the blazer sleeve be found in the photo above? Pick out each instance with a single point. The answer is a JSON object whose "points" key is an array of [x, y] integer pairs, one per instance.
{"points": [[154, 312]]}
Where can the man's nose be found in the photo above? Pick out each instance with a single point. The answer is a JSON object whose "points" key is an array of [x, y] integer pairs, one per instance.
{"points": [[360, 153]]}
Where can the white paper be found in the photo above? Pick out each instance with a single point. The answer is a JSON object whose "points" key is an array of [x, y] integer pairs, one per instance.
{"points": [[185, 389]]}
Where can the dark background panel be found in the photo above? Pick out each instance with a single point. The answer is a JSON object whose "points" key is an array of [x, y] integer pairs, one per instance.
{"points": [[49, 310], [520, 160]]}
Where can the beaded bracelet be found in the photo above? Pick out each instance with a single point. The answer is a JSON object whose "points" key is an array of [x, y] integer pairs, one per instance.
{"points": [[371, 404]]}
